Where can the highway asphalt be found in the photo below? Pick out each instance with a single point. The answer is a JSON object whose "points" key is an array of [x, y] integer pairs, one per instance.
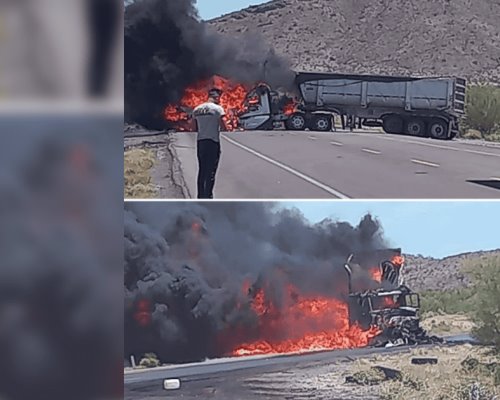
{"points": [[368, 165], [226, 373]]}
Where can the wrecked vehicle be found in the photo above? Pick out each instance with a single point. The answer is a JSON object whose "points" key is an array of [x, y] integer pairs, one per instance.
{"points": [[393, 308], [415, 106]]}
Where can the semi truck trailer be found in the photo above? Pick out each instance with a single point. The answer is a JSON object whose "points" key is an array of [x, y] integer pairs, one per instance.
{"points": [[426, 107]]}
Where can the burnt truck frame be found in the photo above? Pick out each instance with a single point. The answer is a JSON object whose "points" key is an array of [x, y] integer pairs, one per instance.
{"points": [[393, 309], [426, 107]]}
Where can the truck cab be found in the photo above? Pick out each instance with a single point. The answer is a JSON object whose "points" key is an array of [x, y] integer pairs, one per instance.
{"points": [[392, 307]]}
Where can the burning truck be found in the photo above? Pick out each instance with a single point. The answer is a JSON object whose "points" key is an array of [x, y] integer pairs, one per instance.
{"points": [[430, 107], [385, 315], [199, 297], [392, 308]]}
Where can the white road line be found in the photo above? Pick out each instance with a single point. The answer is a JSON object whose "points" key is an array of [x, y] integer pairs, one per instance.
{"points": [[312, 137], [337, 143], [371, 151], [439, 146], [429, 164], [299, 174]]}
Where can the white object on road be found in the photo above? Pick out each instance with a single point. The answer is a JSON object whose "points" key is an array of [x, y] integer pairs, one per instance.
{"points": [[171, 384]]}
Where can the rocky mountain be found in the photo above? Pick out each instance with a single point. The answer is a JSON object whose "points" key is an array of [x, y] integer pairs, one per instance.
{"points": [[427, 273], [403, 37]]}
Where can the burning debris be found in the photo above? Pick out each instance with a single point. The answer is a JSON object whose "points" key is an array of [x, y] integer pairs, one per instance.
{"points": [[318, 323], [211, 280], [232, 100], [392, 308], [221, 279], [169, 53], [237, 100]]}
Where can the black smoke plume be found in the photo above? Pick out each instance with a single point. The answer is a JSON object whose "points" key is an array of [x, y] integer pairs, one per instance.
{"points": [[168, 48], [186, 266]]}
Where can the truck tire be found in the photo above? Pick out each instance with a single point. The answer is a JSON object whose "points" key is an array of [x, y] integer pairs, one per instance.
{"points": [[296, 122], [438, 129], [415, 127], [321, 123], [392, 124]]}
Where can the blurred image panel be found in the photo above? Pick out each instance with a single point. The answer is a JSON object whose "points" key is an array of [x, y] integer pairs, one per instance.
{"points": [[61, 50], [61, 196]]}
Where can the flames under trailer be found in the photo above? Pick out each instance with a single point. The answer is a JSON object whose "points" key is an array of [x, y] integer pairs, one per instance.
{"points": [[393, 308], [430, 107]]}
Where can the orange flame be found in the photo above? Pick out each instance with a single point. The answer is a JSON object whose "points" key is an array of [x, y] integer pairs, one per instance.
{"points": [[196, 228], [303, 324], [232, 99], [290, 108], [389, 302], [142, 314], [376, 274], [398, 260]]}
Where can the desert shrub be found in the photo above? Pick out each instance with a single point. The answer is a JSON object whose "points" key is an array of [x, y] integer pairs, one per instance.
{"points": [[481, 301], [472, 134], [486, 313], [483, 110], [150, 360], [454, 301], [138, 164], [494, 137]]}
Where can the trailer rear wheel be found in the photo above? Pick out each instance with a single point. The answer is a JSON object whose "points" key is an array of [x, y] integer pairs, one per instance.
{"points": [[321, 123], [297, 122], [392, 124], [415, 127], [438, 129]]}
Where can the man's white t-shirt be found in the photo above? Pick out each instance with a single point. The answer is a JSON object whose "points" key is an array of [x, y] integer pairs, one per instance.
{"points": [[208, 118]]}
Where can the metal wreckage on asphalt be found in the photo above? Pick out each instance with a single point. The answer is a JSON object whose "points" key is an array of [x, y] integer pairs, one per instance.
{"points": [[393, 307]]}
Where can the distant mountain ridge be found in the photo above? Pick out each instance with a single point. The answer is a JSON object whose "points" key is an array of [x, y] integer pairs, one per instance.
{"points": [[404, 37], [427, 273]]}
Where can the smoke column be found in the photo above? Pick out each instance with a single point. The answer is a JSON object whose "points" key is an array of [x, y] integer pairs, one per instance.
{"points": [[189, 269], [168, 48]]}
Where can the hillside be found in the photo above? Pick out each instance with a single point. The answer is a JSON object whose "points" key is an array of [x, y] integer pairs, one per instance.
{"points": [[426, 273], [424, 37]]}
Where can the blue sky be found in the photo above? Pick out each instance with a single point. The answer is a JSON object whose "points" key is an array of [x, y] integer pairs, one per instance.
{"points": [[209, 9], [436, 229]]}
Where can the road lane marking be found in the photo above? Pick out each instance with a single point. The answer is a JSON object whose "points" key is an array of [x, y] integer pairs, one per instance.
{"points": [[429, 164], [337, 143], [371, 151], [439, 146], [312, 137], [298, 174]]}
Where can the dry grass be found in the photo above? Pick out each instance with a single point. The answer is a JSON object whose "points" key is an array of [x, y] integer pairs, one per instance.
{"points": [[137, 168], [447, 379], [472, 134], [446, 324]]}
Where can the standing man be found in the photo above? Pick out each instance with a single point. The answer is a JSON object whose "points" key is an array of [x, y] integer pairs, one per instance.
{"points": [[209, 122]]}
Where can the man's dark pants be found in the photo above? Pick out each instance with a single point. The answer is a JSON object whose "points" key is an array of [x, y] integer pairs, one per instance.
{"points": [[208, 161]]}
